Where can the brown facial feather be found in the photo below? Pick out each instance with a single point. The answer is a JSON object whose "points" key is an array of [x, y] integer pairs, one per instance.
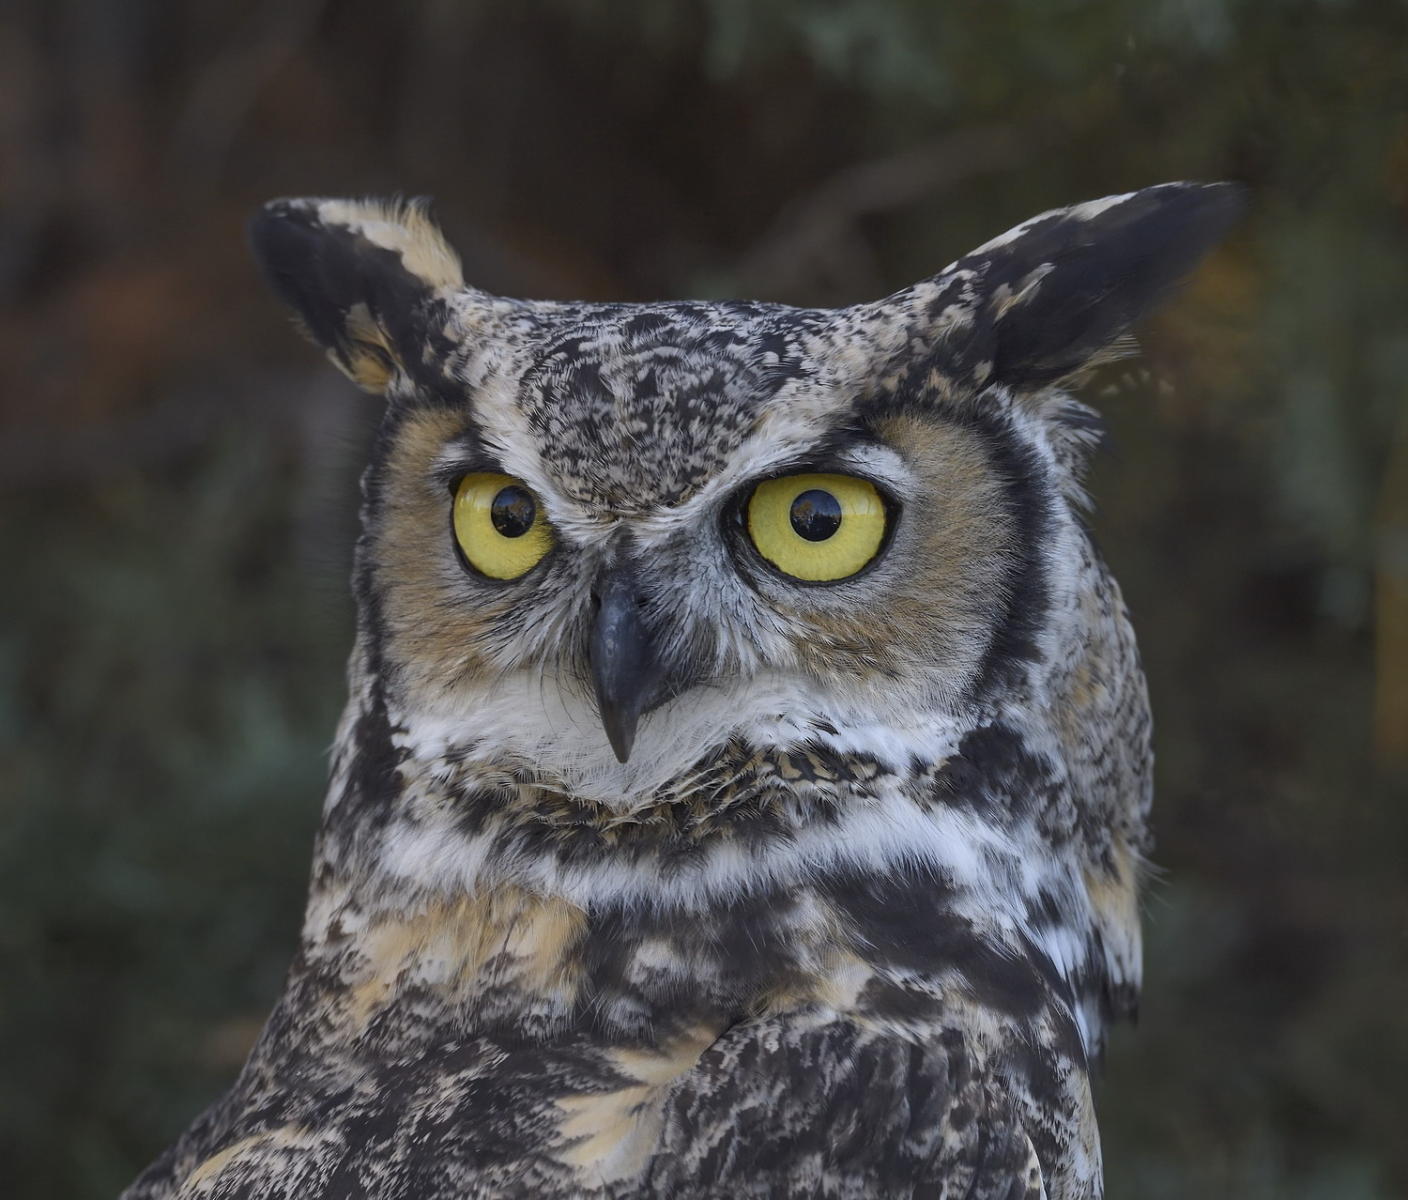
{"points": [[439, 619], [948, 561]]}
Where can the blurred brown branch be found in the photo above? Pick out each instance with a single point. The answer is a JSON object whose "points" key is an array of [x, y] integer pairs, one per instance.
{"points": [[815, 240], [226, 90]]}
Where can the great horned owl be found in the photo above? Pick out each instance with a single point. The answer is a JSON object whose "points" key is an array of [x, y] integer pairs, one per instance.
{"points": [[743, 787]]}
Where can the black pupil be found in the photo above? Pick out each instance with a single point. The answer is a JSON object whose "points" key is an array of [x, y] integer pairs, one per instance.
{"points": [[512, 511], [816, 515]]}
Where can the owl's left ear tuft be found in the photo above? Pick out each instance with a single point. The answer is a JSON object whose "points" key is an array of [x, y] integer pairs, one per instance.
{"points": [[362, 277], [1041, 301], [1078, 278]]}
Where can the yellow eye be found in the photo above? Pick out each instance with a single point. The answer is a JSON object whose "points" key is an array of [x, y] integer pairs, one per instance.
{"points": [[817, 527], [499, 525]]}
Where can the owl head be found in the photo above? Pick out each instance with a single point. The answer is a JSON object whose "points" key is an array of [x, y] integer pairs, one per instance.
{"points": [[602, 541]]}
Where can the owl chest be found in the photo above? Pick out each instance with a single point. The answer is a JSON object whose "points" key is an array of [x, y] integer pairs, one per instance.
{"points": [[758, 1110], [510, 1046], [546, 991]]}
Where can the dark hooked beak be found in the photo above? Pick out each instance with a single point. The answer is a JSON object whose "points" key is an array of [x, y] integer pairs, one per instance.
{"points": [[625, 670]]}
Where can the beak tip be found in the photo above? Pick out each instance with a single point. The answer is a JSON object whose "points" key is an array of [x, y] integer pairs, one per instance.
{"points": [[621, 740]]}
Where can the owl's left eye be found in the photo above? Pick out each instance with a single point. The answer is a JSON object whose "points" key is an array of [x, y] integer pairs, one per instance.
{"points": [[499, 525], [817, 527]]}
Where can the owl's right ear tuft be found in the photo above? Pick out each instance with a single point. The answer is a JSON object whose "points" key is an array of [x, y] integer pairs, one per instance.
{"points": [[363, 277]]}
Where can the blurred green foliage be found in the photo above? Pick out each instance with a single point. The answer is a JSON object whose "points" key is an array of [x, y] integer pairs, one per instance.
{"points": [[179, 481]]}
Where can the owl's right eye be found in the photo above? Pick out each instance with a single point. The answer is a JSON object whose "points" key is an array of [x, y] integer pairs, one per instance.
{"points": [[499, 525]]}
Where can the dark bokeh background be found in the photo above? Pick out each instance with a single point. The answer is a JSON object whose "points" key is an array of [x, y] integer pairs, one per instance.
{"points": [[179, 475]]}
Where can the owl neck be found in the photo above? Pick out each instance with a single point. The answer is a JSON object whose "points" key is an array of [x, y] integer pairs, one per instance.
{"points": [[412, 811], [806, 875]]}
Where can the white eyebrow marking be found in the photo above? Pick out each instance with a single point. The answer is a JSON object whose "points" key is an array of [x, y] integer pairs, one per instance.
{"points": [[880, 462]]}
